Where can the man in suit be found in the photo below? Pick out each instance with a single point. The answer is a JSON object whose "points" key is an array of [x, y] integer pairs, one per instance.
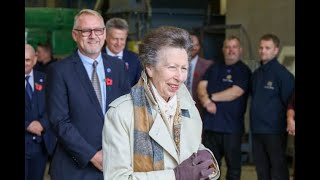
{"points": [[117, 33], [39, 139], [197, 68], [80, 88]]}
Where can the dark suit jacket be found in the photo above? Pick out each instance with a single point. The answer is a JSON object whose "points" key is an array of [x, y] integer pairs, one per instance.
{"points": [[201, 67], [133, 65], [36, 110], [75, 114]]}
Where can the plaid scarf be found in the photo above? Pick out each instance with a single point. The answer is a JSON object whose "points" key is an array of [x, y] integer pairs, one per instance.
{"points": [[148, 154]]}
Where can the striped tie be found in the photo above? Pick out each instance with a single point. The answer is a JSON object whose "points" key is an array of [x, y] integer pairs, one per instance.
{"points": [[28, 88], [95, 82]]}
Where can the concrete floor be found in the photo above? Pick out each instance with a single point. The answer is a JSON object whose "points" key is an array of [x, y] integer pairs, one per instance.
{"points": [[248, 173]]}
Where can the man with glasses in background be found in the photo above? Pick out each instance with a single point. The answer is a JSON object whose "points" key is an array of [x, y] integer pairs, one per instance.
{"points": [[80, 88]]}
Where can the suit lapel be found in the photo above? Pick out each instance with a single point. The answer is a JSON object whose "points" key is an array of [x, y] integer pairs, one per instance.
{"points": [[108, 74], [86, 83], [196, 73], [126, 60], [38, 92], [124, 56], [159, 133]]}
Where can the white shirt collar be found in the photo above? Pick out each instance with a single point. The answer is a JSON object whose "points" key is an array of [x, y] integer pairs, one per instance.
{"points": [[30, 74], [87, 60], [112, 54], [194, 60]]}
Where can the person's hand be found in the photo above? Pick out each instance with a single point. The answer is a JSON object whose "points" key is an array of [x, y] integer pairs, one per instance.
{"points": [[35, 127], [291, 126], [193, 168], [203, 155], [96, 160], [211, 107]]}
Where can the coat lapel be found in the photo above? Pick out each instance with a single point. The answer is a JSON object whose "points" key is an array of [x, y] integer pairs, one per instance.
{"points": [[188, 141], [86, 83], [159, 133]]}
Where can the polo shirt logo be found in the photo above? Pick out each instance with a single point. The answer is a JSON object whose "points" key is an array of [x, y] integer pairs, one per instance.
{"points": [[228, 78], [269, 85]]}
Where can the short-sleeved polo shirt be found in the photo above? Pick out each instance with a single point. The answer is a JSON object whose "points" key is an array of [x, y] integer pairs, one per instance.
{"points": [[229, 117]]}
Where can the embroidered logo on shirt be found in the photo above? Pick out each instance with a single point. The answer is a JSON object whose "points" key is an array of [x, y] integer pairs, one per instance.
{"points": [[228, 78], [269, 85]]}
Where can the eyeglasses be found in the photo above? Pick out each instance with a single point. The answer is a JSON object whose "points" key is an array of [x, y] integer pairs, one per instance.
{"points": [[87, 32]]}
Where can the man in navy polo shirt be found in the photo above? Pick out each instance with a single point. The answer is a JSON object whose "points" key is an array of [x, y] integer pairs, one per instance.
{"points": [[272, 85], [223, 93]]}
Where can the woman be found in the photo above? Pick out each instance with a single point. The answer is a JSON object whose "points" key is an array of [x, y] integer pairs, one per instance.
{"points": [[154, 132]]}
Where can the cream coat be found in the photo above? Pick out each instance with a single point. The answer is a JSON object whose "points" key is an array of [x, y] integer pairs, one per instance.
{"points": [[117, 140]]}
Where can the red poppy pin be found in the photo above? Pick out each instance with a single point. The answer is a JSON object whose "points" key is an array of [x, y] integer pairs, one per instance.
{"points": [[109, 82], [38, 87]]}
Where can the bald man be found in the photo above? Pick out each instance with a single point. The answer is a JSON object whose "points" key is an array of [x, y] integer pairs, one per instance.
{"points": [[39, 139]]}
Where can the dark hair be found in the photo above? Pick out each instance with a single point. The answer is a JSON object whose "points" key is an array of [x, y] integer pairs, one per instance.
{"points": [[274, 38], [193, 33], [163, 36], [47, 46]]}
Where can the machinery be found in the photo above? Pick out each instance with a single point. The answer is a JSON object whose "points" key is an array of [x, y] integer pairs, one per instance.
{"points": [[43, 24], [50, 25]]}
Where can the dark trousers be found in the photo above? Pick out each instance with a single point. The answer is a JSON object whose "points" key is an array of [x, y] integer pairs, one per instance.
{"points": [[229, 146], [269, 155], [35, 163]]}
